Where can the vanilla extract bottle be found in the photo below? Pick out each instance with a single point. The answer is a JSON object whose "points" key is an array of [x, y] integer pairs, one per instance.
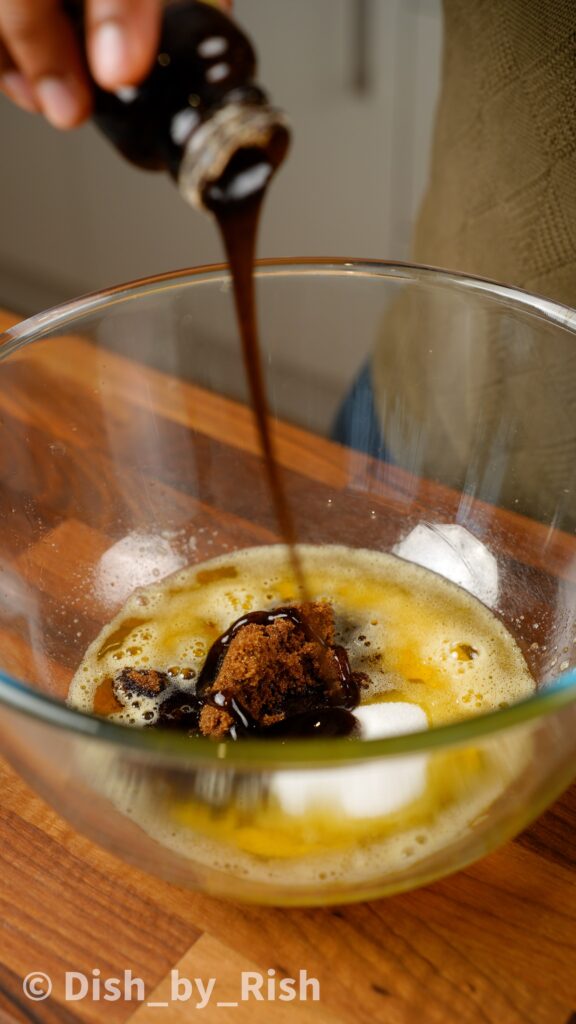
{"points": [[199, 114]]}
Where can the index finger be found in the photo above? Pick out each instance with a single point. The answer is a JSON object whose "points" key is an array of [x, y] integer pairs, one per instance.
{"points": [[41, 42]]}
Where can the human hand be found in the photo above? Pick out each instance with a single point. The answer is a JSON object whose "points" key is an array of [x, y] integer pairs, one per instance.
{"points": [[41, 65]]}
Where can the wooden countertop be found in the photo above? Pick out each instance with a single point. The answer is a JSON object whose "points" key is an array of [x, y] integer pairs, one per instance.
{"points": [[495, 944]]}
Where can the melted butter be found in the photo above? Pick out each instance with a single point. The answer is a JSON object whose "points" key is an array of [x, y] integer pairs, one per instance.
{"points": [[268, 831], [105, 702], [117, 638], [222, 572], [418, 637]]}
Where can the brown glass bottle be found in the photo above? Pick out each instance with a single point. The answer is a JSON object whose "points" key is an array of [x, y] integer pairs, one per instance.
{"points": [[199, 105]]}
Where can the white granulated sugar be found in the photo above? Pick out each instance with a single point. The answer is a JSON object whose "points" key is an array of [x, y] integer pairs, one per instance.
{"points": [[361, 791], [393, 718]]}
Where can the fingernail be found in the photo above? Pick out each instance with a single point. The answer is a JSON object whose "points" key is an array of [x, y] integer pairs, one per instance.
{"points": [[19, 90], [59, 101], [109, 53]]}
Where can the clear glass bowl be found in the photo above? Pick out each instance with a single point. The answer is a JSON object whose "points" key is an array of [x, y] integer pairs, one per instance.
{"points": [[127, 451]]}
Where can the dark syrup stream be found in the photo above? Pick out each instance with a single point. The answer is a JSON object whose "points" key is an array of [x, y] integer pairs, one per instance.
{"points": [[236, 202]]}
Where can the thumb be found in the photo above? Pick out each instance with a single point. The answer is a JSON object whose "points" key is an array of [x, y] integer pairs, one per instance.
{"points": [[122, 39]]}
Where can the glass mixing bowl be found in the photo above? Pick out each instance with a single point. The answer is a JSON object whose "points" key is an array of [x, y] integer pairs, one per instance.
{"points": [[416, 412]]}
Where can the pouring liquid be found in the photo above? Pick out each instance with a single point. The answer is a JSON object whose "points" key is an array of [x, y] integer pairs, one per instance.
{"points": [[236, 201]]}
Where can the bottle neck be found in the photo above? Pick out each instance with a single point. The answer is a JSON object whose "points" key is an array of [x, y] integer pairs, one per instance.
{"points": [[231, 155]]}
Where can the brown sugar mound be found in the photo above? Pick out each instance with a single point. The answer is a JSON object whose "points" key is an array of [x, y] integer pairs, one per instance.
{"points": [[134, 682], [215, 722], [276, 670]]}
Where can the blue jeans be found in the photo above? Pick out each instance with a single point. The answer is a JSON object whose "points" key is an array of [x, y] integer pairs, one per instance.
{"points": [[356, 424]]}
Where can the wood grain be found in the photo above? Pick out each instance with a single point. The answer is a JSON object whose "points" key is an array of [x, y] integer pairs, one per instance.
{"points": [[494, 944]]}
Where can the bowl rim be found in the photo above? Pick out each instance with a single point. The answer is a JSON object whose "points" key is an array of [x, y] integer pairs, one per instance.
{"points": [[256, 754], [539, 305]]}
